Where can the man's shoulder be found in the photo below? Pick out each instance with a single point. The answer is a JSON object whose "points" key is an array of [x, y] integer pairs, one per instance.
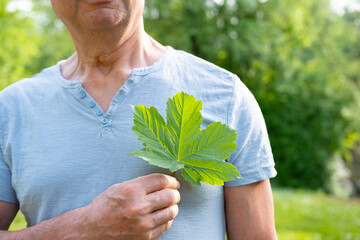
{"points": [[31, 86], [198, 66]]}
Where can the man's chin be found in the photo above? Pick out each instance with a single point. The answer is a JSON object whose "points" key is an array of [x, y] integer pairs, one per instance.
{"points": [[104, 18]]}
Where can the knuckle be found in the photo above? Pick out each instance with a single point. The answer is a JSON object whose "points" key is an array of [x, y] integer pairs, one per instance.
{"points": [[132, 210], [110, 192], [136, 209], [164, 181], [167, 225], [114, 186], [170, 196], [127, 189], [176, 210], [177, 196], [147, 236], [173, 211], [144, 225]]}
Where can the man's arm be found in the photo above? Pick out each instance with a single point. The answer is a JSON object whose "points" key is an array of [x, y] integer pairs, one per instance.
{"points": [[64, 224], [250, 212], [7, 212], [142, 208]]}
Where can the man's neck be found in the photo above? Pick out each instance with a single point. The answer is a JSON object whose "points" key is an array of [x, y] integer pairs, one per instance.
{"points": [[103, 64], [104, 57]]}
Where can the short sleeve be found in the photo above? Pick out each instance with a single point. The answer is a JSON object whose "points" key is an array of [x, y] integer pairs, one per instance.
{"points": [[7, 193], [253, 156]]}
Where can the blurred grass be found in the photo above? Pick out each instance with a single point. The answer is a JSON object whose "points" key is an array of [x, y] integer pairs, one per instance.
{"points": [[302, 215]]}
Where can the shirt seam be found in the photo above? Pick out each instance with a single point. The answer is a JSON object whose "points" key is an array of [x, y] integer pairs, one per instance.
{"points": [[230, 101], [265, 172], [2, 143]]}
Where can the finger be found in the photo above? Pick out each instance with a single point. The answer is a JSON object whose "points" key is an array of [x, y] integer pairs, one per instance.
{"points": [[160, 230], [163, 216], [155, 182], [162, 199]]}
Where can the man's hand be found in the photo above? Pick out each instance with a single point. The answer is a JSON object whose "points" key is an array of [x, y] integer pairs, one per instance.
{"points": [[142, 208]]}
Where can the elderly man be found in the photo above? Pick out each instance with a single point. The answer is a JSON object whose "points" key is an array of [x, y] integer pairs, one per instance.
{"points": [[65, 136]]}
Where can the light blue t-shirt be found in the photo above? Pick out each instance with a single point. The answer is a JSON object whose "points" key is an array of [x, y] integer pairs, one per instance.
{"points": [[59, 150]]}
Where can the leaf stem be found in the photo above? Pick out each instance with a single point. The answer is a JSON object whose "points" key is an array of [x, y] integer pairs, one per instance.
{"points": [[173, 174]]}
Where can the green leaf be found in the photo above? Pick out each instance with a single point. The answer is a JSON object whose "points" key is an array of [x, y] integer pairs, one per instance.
{"points": [[211, 172], [216, 143], [181, 144], [183, 119], [158, 159], [151, 130]]}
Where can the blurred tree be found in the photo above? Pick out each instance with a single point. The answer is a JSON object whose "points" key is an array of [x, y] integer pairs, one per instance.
{"points": [[352, 141], [18, 45], [55, 42], [307, 116]]}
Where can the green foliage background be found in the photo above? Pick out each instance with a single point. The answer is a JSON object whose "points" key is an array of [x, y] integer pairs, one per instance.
{"points": [[300, 60]]}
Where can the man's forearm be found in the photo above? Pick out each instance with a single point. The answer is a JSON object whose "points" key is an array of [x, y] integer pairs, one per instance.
{"points": [[67, 226]]}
